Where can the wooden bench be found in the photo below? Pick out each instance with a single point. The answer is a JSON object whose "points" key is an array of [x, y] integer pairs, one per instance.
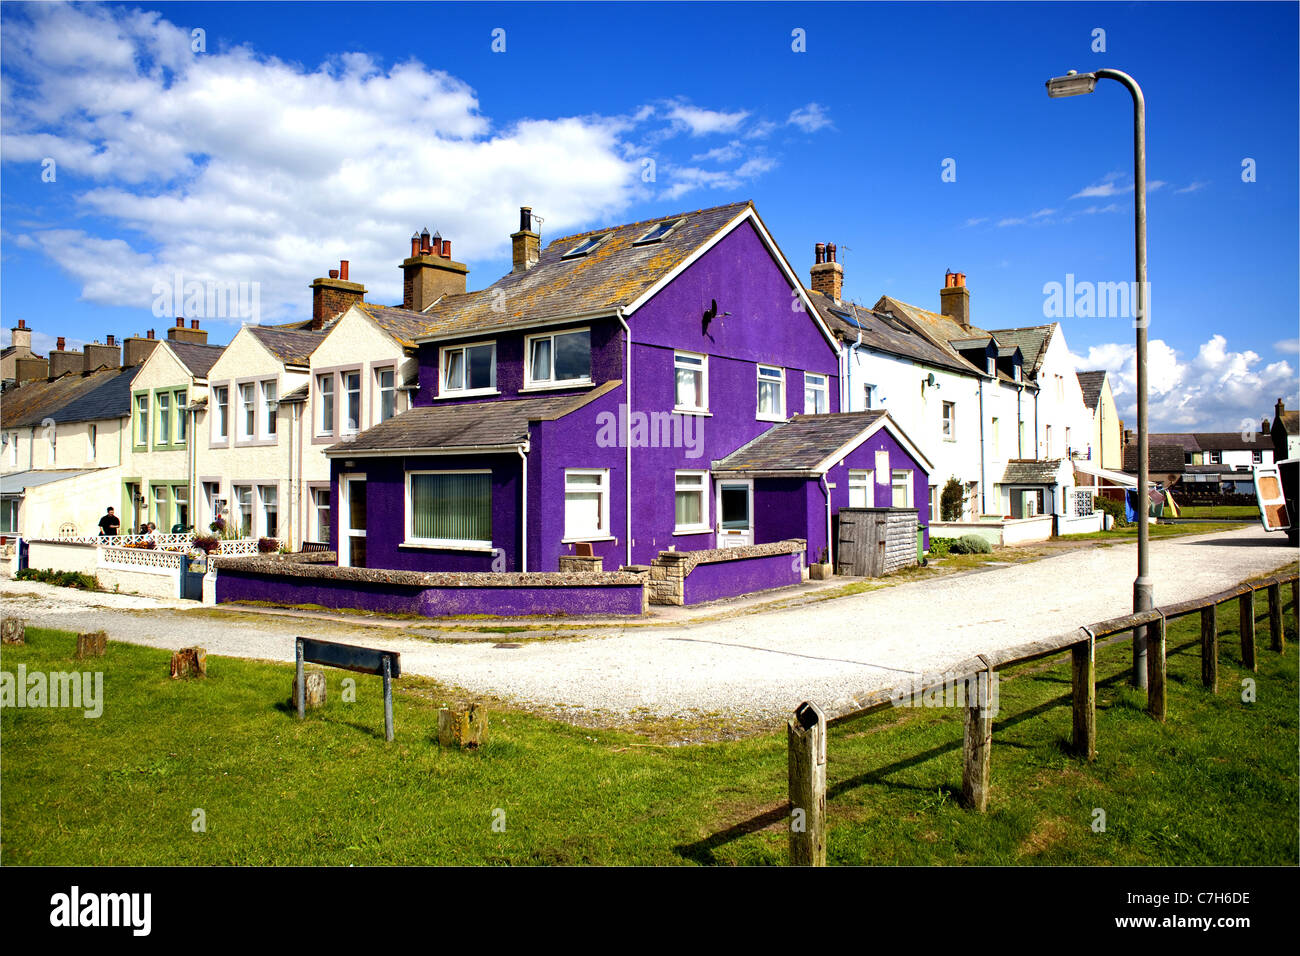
{"points": [[364, 660]]}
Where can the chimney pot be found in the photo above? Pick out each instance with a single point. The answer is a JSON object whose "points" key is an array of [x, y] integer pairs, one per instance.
{"points": [[22, 323], [415, 244], [830, 251], [343, 269], [149, 334], [180, 322], [446, 248], [110, 340], [525, 218], [821, 253], [59, 344], [424, 241], [194, 323], [334, 273]]}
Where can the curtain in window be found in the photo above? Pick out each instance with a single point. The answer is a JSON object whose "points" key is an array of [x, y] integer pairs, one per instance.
{"points": [[455, 372], [451, 507], [690, 388], [541, 360], [582, 505]]}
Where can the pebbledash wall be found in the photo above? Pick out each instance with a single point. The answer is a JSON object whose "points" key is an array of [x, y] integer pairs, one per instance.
{"points": [[764, 327], [431, 594]]}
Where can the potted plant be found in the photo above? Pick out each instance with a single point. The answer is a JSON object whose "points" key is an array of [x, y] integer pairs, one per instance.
{"points": [[822, 569]]}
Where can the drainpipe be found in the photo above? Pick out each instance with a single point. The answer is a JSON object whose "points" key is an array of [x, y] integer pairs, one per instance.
{"points": [[983, 490], [826, 490], [1035, 425], [627, 439], [523, 523], [301, 422]]}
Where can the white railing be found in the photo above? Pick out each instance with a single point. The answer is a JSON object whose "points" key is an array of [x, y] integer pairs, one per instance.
{"points": [[165, 542], [139, 559], [238, 546]]}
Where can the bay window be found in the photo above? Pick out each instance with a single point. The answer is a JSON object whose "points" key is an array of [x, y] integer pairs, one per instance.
{"points": [[771, 393], [559, 359], [692, 381], [586, 504], [691, 510], [469, 368], [449, 508]]}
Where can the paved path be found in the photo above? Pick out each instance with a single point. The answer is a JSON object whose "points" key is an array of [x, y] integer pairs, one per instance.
{"points": [[753, 666]]}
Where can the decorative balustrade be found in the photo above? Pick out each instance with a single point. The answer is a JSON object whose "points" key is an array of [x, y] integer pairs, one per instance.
{"points": [[137, 559], [174, 543]]}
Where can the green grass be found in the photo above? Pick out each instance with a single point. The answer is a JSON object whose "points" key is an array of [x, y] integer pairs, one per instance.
{"points": [[1216, 784], [1249, 512], [1129, 532]]}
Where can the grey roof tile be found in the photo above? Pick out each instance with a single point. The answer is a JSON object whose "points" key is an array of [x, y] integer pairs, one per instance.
{"points": [[800, 444]]}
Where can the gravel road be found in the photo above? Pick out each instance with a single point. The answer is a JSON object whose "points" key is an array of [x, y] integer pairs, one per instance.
{"points": [[751, 667]]}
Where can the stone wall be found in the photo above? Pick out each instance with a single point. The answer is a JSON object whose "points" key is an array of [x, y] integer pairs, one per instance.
{"points": [[727, 572]]}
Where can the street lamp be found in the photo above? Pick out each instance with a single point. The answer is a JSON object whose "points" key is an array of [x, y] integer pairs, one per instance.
{"points": [[1075, 84]]}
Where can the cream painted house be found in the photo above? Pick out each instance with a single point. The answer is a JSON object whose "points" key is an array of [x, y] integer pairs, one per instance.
{"points": [[1106, 444], [158, 473]]}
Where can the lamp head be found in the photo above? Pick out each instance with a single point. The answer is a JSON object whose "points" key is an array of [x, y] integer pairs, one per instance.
{"points": [[1072, 84]]}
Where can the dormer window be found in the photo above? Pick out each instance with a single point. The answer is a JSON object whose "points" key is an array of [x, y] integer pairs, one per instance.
{"points": [[586, 246], [658, 233]]}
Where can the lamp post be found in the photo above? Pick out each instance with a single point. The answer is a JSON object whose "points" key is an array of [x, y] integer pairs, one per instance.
{"points": [[1074, 84]]}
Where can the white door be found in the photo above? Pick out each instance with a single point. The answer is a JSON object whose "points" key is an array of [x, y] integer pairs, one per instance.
{"points": [[352, 521], [735, 513]]}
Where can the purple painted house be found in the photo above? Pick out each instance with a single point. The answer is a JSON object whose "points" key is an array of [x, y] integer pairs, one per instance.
{"points": [[663, 385]]}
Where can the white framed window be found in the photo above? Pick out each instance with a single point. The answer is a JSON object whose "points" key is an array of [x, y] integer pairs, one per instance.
{"points": [[868, 396], [270, 500], [247, 410], [386, 389], [562, 358], [1047, 441], [325, 404], [244, 510], [320, 498], [949, 428], [212, 498], [270, 405], [1216, 458], [351, 402], [182, 419], [449, 508], [164, 418], [92, 438], [691, 507], [1257, 457], [771, 393], [862, 488], [816, 399], [160, 508], [9, 516], [934, 502], [469, 369], [181, 505], [901, 487], [691, 382], [586, 503], [221, 420]]}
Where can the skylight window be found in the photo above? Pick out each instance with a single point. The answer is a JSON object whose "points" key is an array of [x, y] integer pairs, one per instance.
{"points": [[586, 246], [658, 233]]}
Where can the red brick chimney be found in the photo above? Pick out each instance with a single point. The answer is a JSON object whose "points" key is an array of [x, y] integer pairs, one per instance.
{"points": [[827, 274], [334, 295], [954, 298], [193, 335], [430, 272]]}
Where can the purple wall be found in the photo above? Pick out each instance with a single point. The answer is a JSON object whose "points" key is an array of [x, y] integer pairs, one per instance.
{"points": [[431, 601], [724, 579]]}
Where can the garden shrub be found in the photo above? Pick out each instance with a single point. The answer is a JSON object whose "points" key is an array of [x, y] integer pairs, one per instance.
{"points": [[950, 501], [1111, 507], [267, 545], [207, 543], [971, 544], [63, 579]]}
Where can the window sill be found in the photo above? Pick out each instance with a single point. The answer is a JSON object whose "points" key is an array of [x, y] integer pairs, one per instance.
{"points": [[575, 383], [480, 546], [466, 393], [700, 412], [769, 418], [685, 531], [592, 540]]}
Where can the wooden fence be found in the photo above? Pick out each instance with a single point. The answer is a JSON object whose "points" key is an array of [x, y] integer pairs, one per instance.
{"points": [[807, 730]]}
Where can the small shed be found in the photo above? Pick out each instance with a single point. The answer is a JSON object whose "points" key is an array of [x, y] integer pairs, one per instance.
{"points": [[873, 542]]}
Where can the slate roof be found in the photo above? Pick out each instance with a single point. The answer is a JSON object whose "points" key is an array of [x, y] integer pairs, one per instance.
{"points": [[402, 324], [893, 336], [479, 424], [298, 394], [102, 394], [943, 332], [1091, 383], [799, 445], [1032, 472], [291, 346], [1232, 441], [614, 274], [1163, 458], [197, 358], [1033, 341], [1186, 441]]}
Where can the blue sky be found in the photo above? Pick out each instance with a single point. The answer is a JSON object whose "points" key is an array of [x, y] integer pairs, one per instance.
{"points": [[305, 133]]}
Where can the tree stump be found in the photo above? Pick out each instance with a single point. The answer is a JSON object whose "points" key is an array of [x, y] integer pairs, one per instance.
{"points": [[91, 645], [313, 690], [465, 725], [13, 630], [189, 662]]}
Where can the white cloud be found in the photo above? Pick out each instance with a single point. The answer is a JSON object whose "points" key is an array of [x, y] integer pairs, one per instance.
{"points": [[1108, 187], [701, 122], [1192, 187], [1216, 390], [809, 118], [1043, 212], [720, 154], [1012, 221], [234, 166], [685, 179], [1291, 346], [976, 221]]}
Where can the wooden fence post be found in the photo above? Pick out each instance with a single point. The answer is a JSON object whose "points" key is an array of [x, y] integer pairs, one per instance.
{"points": [[1295, 604], [1210, 648], [1247, 615], [1083, 695], [1157, 700], [977, 744], [388, 699], [1275, 617], [299, 684], [806, 767]]}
